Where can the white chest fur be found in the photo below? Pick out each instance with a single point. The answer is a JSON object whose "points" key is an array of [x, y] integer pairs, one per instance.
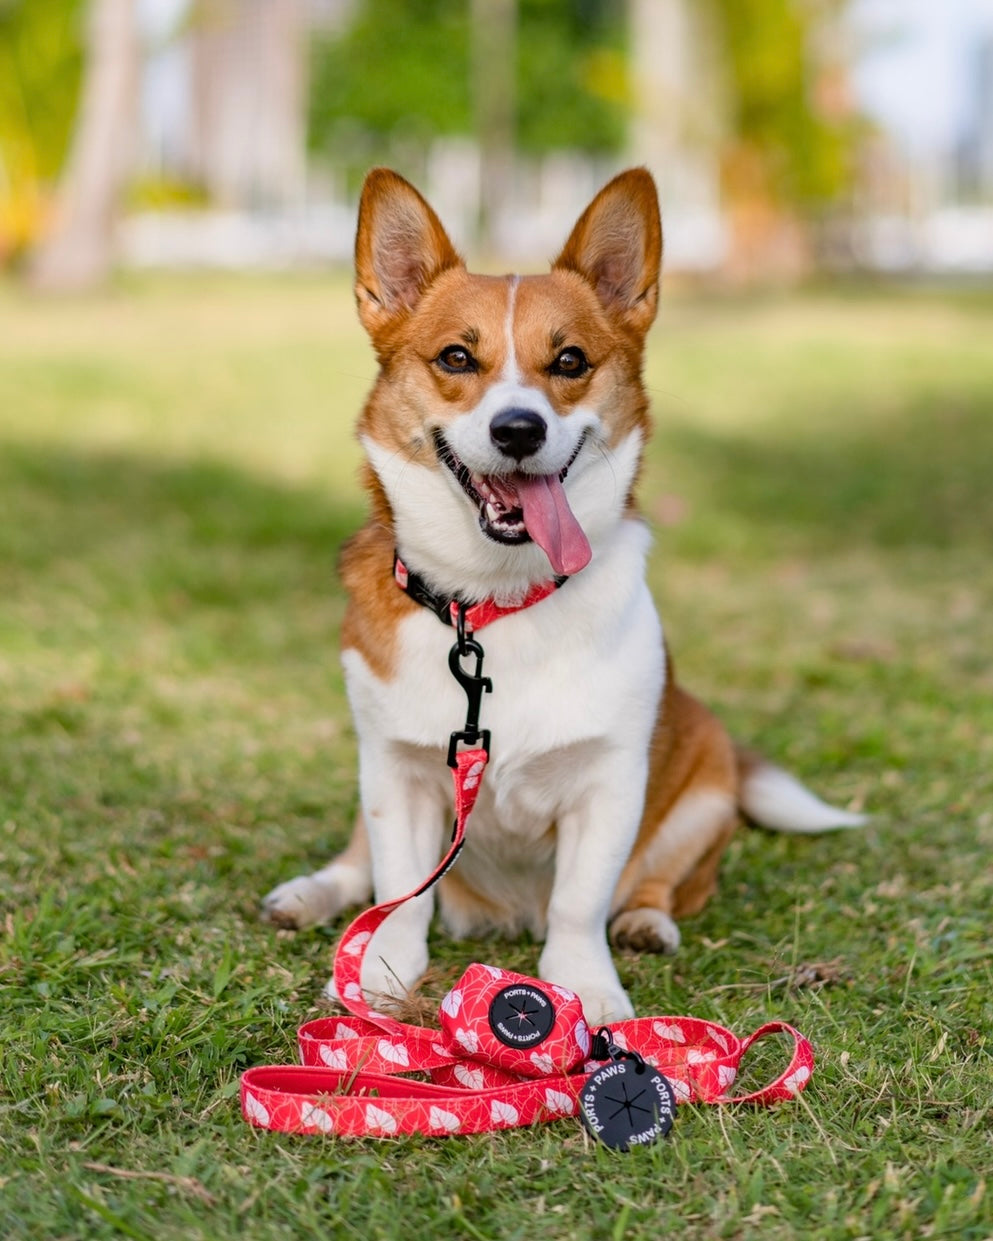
{"points": [[575, 678]]}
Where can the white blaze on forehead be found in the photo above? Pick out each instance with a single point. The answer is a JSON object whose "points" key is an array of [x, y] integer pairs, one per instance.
{"points": [[510, 372]]}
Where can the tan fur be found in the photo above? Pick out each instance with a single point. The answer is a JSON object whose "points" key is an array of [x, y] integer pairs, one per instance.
{"points": [[375, 605]]}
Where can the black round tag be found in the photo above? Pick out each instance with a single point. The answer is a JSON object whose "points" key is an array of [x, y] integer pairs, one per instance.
{"points": [[627, 1103], [521, 1015]]}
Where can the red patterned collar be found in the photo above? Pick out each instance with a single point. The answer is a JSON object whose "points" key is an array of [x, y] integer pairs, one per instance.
{"points": [[477, 615]]}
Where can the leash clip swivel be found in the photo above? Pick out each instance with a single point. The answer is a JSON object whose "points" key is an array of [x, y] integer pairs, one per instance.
{"points": [[604, 1048], [475, 686]]}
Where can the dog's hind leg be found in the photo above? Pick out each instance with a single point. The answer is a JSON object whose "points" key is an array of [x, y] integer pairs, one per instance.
{"points": [[690, 814], [309, 900], [674, 873]]}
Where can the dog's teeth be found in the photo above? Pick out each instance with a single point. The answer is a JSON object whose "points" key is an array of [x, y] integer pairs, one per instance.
{"points": [[476, 479], [491, 513]]}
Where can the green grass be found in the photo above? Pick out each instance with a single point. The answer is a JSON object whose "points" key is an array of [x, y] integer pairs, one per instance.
{"points": [[176, 474]]}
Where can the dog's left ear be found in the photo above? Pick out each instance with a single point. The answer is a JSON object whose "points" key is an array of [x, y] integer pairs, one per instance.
{"points": [[617, 247]]}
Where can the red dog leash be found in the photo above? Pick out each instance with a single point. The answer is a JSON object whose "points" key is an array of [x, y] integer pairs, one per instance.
{"points": [[349, 1081], [511, 1050]]}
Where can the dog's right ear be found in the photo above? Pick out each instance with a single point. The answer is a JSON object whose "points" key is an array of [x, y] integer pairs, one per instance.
{"points": [[400, 248]]}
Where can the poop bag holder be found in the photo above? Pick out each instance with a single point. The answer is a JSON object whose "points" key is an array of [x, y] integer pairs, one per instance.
{"points": [[515, 1025]]}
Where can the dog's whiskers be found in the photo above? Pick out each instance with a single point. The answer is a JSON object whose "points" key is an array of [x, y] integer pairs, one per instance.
{"points": [[609, 458], [409, 453]]}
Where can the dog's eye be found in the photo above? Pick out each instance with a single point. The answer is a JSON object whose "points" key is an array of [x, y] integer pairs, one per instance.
{"points": [[571, 363], [456, 360]]}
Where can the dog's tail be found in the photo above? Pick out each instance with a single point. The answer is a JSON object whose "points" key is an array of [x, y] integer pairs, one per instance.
{"points": [[772, 798]]}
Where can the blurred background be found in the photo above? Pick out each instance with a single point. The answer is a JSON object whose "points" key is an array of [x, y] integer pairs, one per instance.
{"points": [[180, 371], [787, 136]]}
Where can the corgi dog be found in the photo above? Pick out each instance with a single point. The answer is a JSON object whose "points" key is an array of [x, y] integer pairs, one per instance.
{"points": [[503, 437]]}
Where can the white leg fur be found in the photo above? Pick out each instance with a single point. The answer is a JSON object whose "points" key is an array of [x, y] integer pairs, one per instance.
{"points": [[594, 841], [404, 820]]}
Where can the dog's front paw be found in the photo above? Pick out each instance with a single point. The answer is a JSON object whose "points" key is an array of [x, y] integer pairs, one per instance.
{"points": [[602, 1007], [393, 977], [385, 983], [645, 930], [593, 979], [388, 975], [310, 900], [301, 902]]}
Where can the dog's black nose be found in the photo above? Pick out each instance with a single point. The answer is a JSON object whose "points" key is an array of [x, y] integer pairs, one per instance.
{"points": [[518, 432]]}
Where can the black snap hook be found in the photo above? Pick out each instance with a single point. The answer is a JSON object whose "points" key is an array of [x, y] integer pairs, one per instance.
{"points": [[473, 683]]}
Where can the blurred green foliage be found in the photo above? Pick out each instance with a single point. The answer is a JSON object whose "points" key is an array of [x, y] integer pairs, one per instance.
{"points": [[793, 132], [160, 192], [571, 75], [41, 57], [402, 72]]}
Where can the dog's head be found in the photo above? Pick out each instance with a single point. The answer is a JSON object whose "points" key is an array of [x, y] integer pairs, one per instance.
{"points": [[505, 426]]}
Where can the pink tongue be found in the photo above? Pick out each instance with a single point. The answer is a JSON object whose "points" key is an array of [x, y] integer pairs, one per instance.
{"points": [[551, 522]]}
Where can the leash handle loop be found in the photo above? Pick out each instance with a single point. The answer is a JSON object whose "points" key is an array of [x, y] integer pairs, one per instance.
{"points": [[794, 1078]]}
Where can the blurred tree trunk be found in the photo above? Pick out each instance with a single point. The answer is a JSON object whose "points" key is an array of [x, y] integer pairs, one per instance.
{"points": [[494, 39], [250, 101], [79, 250], [680, 114]]}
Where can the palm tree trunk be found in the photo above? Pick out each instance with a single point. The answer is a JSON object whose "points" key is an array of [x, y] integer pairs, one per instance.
{"points": [[79, 250]]}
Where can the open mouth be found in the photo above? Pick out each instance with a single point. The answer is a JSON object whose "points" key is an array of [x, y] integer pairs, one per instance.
{"points": [[521, 508]]}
